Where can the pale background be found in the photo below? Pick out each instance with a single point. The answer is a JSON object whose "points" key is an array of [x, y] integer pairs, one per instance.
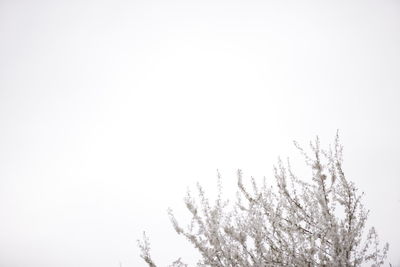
{"points": [[109, 110]]}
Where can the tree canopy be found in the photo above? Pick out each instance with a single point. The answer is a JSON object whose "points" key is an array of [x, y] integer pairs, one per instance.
{"points": [[294, 222]]}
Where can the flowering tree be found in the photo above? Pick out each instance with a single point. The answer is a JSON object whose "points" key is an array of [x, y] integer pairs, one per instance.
{"points": [[295, 223]]}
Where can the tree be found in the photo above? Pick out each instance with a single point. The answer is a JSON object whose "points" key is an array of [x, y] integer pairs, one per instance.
{"points": [[294, 223]]}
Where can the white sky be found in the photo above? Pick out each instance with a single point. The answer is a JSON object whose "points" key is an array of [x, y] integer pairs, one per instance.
{"points": [[109, 110]]}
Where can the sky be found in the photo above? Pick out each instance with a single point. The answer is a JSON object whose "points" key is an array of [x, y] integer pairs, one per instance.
{"points": [[110, 110]]}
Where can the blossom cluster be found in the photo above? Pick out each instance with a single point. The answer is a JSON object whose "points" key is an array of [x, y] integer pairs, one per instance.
{"points": [[320, 222]]}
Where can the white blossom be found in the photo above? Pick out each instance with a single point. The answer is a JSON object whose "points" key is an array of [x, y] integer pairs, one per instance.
{"points": [[296, 223]]}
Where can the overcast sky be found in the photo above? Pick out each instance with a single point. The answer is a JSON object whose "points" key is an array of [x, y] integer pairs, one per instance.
{"points": [[109, 110]]}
